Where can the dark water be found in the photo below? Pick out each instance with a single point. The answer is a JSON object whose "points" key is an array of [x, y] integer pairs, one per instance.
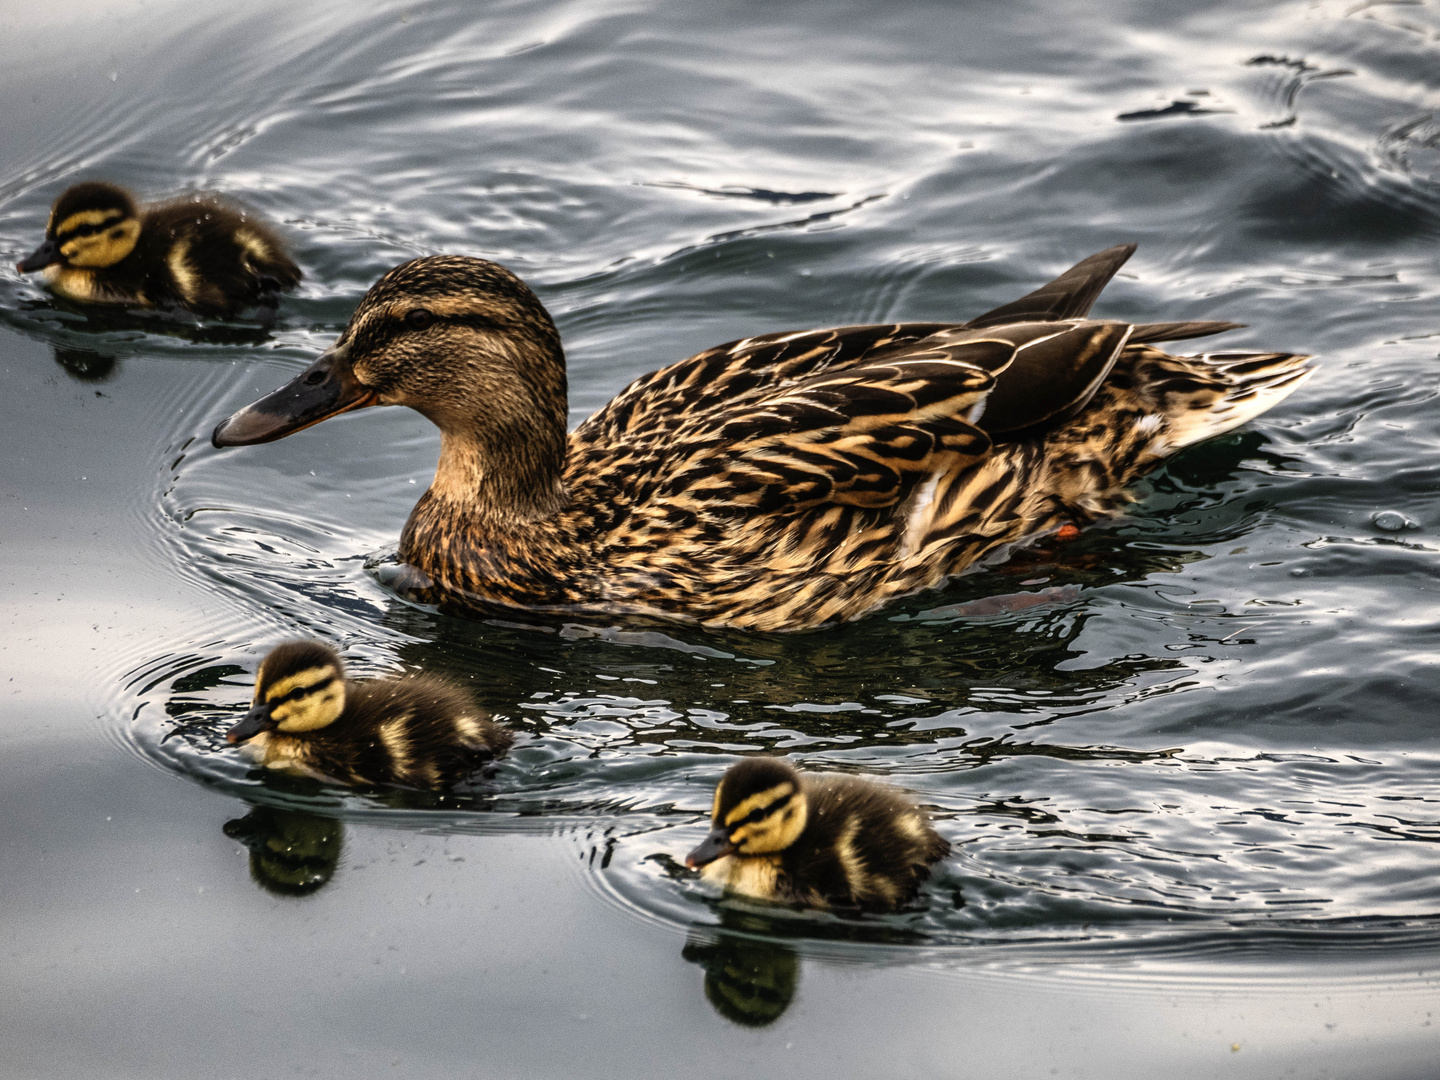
{"points": [[1194, 793]]}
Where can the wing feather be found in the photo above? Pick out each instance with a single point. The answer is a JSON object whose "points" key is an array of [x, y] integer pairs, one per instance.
{"points": [[860, 437]]}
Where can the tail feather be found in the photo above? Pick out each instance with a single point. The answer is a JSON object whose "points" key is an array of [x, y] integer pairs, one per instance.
{"points": [[1218, 392]]}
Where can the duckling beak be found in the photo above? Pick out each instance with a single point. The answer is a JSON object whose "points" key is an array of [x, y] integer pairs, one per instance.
{"points": [[715, 846], [255, 721], [41, 257], [327, 388]]}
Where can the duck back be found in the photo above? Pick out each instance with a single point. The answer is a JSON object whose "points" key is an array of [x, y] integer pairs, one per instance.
{"points": [[205, 255], [865, 845], [417, 730]]}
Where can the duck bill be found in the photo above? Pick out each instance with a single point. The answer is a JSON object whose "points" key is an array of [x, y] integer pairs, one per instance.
{"points": [[715, 846], [45, 255], [255, 721], [327, 388]]}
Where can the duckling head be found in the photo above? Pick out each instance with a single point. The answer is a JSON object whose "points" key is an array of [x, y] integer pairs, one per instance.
{"points": [[760, 809], [469, 346], [92, 225], [300, 687]]}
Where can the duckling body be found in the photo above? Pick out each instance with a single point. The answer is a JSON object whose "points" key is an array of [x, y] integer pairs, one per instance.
{"points": [[817, 841], [781, 482], [198, 252], [309, 720]]}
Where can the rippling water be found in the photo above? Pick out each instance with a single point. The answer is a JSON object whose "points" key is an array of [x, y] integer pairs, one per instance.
{"points": [[1202, 730]]}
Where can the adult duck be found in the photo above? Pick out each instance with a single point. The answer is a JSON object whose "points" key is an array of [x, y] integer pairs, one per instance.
{"points": [[780, 482]]}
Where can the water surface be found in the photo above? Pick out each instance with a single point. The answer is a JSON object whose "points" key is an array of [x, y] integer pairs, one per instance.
{"points": [[1192, 788]]}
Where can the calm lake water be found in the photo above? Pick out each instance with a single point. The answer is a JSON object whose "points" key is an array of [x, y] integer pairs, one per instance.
{"points": [[1194, 791]]}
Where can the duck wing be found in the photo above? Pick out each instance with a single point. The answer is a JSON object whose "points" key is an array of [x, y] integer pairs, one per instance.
{"points": [[860, 437], [1069, 296], [739, 373], [866, 435]]}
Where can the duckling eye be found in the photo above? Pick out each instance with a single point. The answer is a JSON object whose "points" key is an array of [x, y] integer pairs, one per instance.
{"points": [[418, 318]]}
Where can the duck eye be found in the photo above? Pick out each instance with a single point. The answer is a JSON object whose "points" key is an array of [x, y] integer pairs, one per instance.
{"points": [[418, 319]]}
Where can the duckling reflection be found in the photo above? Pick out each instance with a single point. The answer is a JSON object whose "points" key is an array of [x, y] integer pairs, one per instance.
{"points": [[815, 841], [308, 720], [748, 980], [292, 853], [83, 365], [198, 253]]}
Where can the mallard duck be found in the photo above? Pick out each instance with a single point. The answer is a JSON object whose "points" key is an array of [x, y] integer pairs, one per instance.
{"points": [[780, 482], [819, 841], [309, 720], [194, 252]]}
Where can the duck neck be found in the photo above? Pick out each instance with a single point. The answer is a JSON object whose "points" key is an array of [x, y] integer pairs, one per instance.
{"points": [[499, 484], [491, 482]]}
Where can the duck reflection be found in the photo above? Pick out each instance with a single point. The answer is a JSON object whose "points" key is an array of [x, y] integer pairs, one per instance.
{"points": [[748, 980], [292, 853], [85, 365]]}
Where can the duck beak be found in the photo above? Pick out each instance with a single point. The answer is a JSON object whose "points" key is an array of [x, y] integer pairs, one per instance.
{"points": [[327, 388], [43, 256], [255, 721], [715, 846]]}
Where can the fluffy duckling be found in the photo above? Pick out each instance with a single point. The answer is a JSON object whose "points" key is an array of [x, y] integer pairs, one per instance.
{"points": [[781, 482], [818, 841], [309, 720], [196, 253]]}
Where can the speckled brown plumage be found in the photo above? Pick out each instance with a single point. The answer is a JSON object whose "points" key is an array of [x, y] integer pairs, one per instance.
{"points": [[781, 482]]}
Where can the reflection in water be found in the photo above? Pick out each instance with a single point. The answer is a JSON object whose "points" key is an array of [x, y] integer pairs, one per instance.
{"points": [[86, 365], [292, 853], [748, 980]]}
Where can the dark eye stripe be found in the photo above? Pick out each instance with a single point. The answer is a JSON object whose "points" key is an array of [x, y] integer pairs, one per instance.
{"points": [[89, 230], [302, 691], [764, 811]]}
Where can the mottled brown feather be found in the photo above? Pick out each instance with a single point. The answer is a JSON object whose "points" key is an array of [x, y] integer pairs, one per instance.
{"points": [[783, 481]]}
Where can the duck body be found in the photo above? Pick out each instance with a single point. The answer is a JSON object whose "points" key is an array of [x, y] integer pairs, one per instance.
{"points": [[199, 253], [780, 482], [417, 730], [816, 841]]}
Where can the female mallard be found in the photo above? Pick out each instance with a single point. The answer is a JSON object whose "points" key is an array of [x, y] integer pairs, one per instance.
{"points": [[309, 720], [780, 482], [196, 253], [821, 841]]}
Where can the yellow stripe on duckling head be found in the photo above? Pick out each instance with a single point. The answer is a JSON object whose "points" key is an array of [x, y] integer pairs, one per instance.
{"points": [[306, 700], [755, 802], [100, 249], [781, 814], [86, 217]]}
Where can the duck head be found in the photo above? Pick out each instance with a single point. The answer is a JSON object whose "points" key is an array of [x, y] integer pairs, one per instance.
{"points": [[760, 809], [300, 687], [465, 343], [92, 225]]}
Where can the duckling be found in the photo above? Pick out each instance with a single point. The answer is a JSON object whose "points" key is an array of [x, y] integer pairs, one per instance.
{"points": [[781, 482], [196, 253], [816, 841], [309, 720]]}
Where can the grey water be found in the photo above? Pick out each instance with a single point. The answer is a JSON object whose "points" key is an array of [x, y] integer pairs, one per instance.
{"points": [[1188, 762]]}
